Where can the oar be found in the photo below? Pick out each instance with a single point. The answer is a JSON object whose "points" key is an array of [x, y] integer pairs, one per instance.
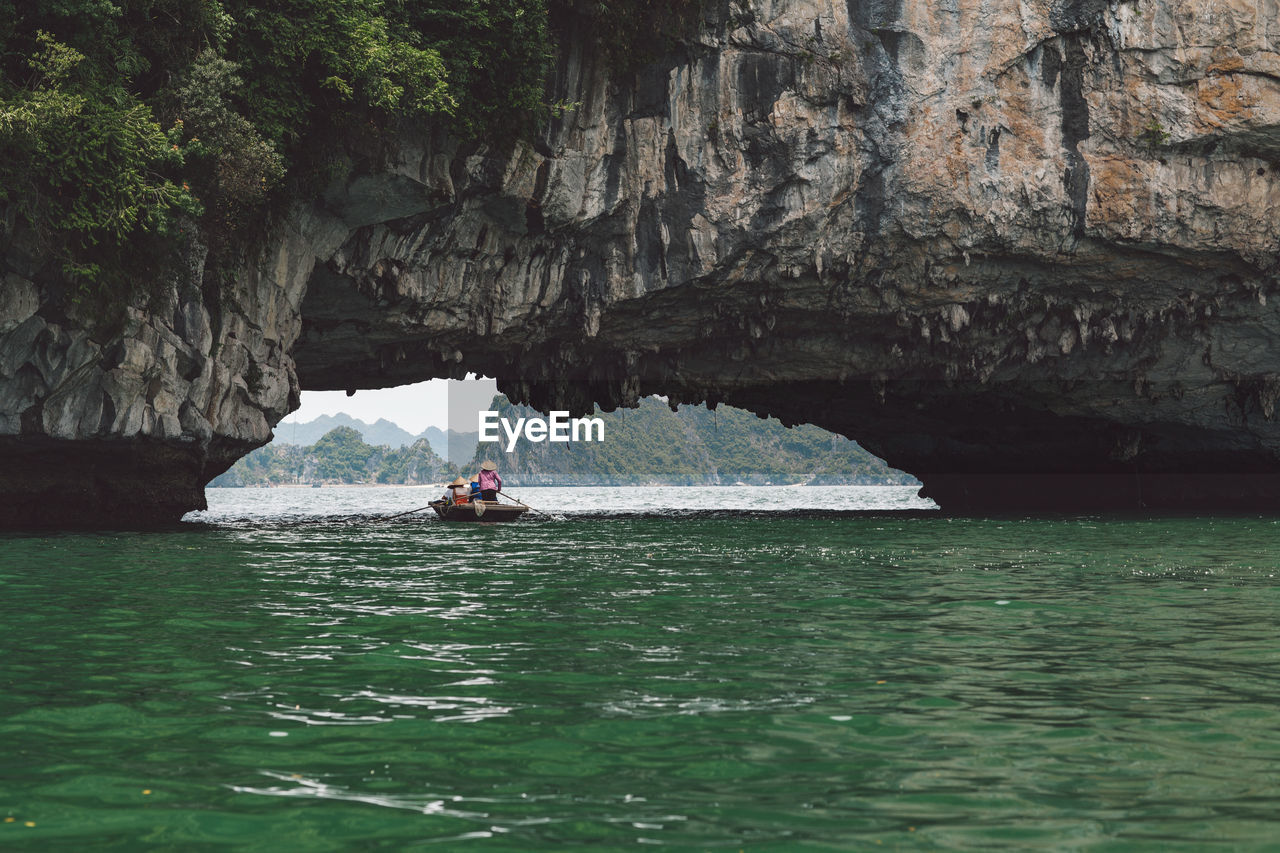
{"points": [[525, 505], [355, 518], [397, 515]]}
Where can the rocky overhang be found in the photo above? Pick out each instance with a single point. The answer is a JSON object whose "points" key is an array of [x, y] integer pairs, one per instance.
{"points": [[1026, 252]]}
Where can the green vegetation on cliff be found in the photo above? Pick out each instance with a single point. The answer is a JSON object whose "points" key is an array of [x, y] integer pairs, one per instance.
{"points": [[340, 456], [129, 127]]}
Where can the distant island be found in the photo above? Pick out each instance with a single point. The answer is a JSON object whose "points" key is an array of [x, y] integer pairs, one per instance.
{"points": [[649, 445], [380, 433], [652, 445]]}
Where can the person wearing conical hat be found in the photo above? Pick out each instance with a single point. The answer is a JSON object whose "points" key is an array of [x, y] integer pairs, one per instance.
{"points": [[459, 491], [490, 482]]}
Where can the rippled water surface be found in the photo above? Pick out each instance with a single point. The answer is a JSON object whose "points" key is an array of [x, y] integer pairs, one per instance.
{"points": [[618, 675]]}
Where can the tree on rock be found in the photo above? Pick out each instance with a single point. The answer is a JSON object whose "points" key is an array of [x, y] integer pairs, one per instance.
{"points": [[342, 456]]}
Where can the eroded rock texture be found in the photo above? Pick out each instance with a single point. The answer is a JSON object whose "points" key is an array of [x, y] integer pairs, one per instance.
{"points": [[121, 420], [1025, 251], [991, 242]]}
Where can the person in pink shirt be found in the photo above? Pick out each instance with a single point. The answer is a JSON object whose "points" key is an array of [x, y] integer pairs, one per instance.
{"points": [[490, 482]]}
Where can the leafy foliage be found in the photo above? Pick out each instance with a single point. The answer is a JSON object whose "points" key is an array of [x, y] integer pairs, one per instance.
{"points": [[498, 54], [307, 60], [124, 123], [1153, 135], [342, 455], [339, 456], [631, 32], [86, 167], [414, 465], [224, 153]]}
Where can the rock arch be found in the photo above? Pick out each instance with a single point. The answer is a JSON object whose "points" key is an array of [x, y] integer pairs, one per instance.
{"points": [[950, 234]]}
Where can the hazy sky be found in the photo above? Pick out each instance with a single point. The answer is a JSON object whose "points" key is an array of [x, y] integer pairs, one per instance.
{"points": [[440, 403]]}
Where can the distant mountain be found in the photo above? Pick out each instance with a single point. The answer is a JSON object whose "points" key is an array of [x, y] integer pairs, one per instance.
{"points": [[651, 445], [339, 456], [382, 433], [457, 447], [648, 445], [438, 440]]}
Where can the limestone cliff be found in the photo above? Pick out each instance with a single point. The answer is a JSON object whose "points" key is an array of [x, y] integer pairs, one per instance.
{"points": [[121, 420], [1025, 251]]}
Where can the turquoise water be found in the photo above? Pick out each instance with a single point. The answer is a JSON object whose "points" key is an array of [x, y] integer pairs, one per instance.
{"points": [[713, 681]]}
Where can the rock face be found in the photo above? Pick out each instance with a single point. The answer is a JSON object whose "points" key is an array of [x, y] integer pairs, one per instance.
{"points": [[1024, 251], [122, 420]]}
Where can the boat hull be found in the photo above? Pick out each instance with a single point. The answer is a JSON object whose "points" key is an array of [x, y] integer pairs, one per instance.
{"points": [[493, 511]]}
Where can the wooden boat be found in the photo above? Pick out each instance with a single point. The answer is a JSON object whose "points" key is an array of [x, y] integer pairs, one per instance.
{"points": [[483, 511]]}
